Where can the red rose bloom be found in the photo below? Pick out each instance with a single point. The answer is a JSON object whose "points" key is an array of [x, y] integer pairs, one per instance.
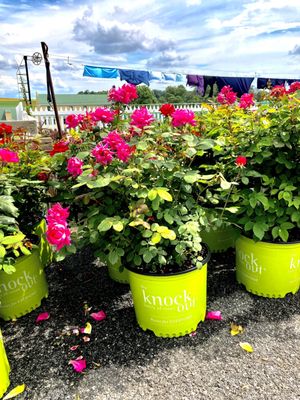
{"points": [[241, 161], [167, 109], [59, 147]]}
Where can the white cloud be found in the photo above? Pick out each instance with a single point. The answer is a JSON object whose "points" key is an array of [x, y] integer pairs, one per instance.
{"points": [[193, 2]]}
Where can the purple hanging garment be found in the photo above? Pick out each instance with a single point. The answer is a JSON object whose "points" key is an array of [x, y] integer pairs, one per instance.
{"points": [[196, 80]]}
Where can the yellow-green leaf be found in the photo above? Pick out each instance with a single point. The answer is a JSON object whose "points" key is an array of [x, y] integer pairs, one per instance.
{"points": [[118, 226], [138, 222], [236, 329], [156, 237], [152, 194], [163, 194], [247, 347], [88, 328], [15, 392], [13, 239]]}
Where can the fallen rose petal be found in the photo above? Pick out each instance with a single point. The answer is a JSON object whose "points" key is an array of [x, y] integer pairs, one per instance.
{"points": [[87, 329], [73, 348], [246, 346], [76, 331], [79, 364], [86, 338], [236, 329], [99, 316], [214, 315], [42, 317], [15, 392], [193, 333]]}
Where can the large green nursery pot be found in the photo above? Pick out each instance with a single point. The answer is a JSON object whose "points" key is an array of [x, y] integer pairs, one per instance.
{"points": [[118, 273], [220, 239], [23, 290], [170, 305], [4, 368], [268, 269]]}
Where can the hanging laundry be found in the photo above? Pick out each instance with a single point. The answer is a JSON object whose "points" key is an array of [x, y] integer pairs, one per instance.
{"points": [[100, 72], [134, 77], [197, 81], [209, 81], [268, 83], [169, 77], [155, 76], [238, 85], [180, 78]]}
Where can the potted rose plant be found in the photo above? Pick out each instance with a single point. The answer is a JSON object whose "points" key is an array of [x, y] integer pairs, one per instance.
{"points": [[137, 194], [23, 252], [267, 198]]}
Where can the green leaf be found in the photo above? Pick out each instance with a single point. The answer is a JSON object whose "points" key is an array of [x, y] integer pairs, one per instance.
{"points": [[7, 206], [118, 226], [259, 230], [152, 194], [245, 180], [156, 238], [113, 257], [9, 269], [82, 154], [284, 234], [191, 177], [25, 251], [105, 225], [164, 194], [8, 240], [168, 218], [15, 392], [137, 260], [147, 256], [2, 251]]}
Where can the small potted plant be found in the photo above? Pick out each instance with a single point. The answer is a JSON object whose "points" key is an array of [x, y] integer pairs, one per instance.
{"points": [[137, 191], [267, 197]]}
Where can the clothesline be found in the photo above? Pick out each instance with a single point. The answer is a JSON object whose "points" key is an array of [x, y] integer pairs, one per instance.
{"points": [[239, 85]]}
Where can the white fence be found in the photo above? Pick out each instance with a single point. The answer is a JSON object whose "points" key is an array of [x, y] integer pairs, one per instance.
{"points": [[46, 119]]}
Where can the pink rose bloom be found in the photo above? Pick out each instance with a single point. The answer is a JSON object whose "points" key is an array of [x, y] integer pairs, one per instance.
{"points": [[102, 154], [58, 234], [246, 100], [74, 166], [103, 114], [124, 152], [125, 94], [72, 120], [113, 139], [183, 117], [141, 118], [57, 214], [226, 96], [7, 156]]}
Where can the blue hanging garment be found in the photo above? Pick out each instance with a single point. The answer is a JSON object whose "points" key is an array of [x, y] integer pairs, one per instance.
{"points": [[100, 72], [238, 85], [134, 77], [180, 78], [155, 76], [169, 77], [266, 83], [209, 81]]}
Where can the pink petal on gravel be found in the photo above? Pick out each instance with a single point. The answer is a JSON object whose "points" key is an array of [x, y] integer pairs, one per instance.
{"points": [[193, 333], [42, 317], [73, 348], [99, 316], [79, 364], [214, 315]]}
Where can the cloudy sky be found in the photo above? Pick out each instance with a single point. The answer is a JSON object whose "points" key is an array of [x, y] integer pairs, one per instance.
{"points": [[211, 37]]}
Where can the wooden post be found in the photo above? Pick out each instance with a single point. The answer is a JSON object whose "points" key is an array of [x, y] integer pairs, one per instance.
{"points": [[50, 89]]}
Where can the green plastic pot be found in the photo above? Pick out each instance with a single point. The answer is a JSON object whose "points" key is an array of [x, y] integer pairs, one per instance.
{"points": [[23, 290], [118, 273], [268, 269], [4, 368], [220, 239], [169, 305]]}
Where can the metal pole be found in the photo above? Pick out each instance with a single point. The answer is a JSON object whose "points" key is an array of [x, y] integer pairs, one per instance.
{"points": [[27, 77], [50, 89]]}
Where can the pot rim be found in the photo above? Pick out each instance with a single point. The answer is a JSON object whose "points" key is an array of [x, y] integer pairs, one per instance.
{"points": [[269, 241], [168, 274]]}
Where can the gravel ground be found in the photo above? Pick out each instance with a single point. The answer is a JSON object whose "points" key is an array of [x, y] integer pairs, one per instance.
{"points": [[126, 363]]}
